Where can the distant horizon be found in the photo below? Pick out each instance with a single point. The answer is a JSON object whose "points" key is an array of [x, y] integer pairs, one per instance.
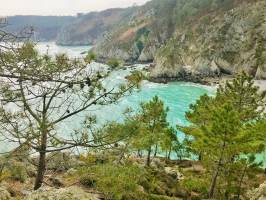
{"points": [[61, 7]]}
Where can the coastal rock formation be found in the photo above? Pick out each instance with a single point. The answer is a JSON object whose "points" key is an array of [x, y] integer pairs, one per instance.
{"points": [[139, 36], [217, 38], [226, 43], [186, 40]]}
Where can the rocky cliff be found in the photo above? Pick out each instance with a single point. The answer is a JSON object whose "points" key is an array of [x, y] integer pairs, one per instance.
{"points": [[190, 40], [186, 39], [223, 43], [138, 37]]}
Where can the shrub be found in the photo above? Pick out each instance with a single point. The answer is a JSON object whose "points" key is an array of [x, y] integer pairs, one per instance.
{"points": [[4, 174], [116, 182], [18, 172], [90, 57], [114, 63], [88, 181], [195, 185]]}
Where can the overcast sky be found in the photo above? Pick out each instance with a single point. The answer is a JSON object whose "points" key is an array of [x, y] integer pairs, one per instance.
{"points": [[60, 7]]}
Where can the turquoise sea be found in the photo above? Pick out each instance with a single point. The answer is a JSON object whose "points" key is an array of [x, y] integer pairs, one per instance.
{"points": [[177, 96]]}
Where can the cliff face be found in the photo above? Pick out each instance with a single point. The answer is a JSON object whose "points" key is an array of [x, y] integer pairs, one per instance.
{"points": [[228, 43], [140, 35], [190, 40]]}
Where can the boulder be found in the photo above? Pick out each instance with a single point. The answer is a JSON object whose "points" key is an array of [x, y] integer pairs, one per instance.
{"points": [[61, 161], [173, 172], [224, 66], [157, 163], [71, 193], [71, 172], [56, 181], [258, 193], [4, 194], [261, 73]]}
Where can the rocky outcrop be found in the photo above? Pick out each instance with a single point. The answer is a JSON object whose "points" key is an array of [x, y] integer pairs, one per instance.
{"points": [[71, 193], [174, 173], [220, 43], [103, 55], [216, 39], [61, 161], [258, 193], [4, 194], [139, 36], [149, 51]]}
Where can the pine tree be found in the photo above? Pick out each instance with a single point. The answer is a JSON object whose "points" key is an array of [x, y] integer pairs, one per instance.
{"points": [[227, 127], [153, 126], [43, 93]]}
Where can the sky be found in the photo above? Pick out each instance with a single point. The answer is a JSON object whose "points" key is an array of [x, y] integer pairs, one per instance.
{"points": [[60, 7]]}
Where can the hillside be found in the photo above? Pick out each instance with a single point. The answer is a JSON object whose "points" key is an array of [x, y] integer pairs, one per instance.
{"points": [[141, 35], [216, 43], [88, 28], [210, 38], [186, 39], [46, 27]]}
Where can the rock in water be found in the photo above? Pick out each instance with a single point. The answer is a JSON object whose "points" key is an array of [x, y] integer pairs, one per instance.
{"points": [[71, 193]]}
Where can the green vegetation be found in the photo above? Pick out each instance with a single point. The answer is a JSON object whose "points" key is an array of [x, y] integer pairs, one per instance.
{"points": [[141, 37], [226, 132], [186, 9], [146, 131], [132, 160], [223, 133], [152, 127], [91, 56], [114, 63], [44, 97], [116, 182]]}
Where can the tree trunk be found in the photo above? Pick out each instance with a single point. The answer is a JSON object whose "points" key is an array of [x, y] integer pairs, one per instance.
{"points": [[148, 158], [200, 157], [169, 153], [42, 162], [213, 183], [216, 174], [155, 152], [40, 171], [241, 182]]}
